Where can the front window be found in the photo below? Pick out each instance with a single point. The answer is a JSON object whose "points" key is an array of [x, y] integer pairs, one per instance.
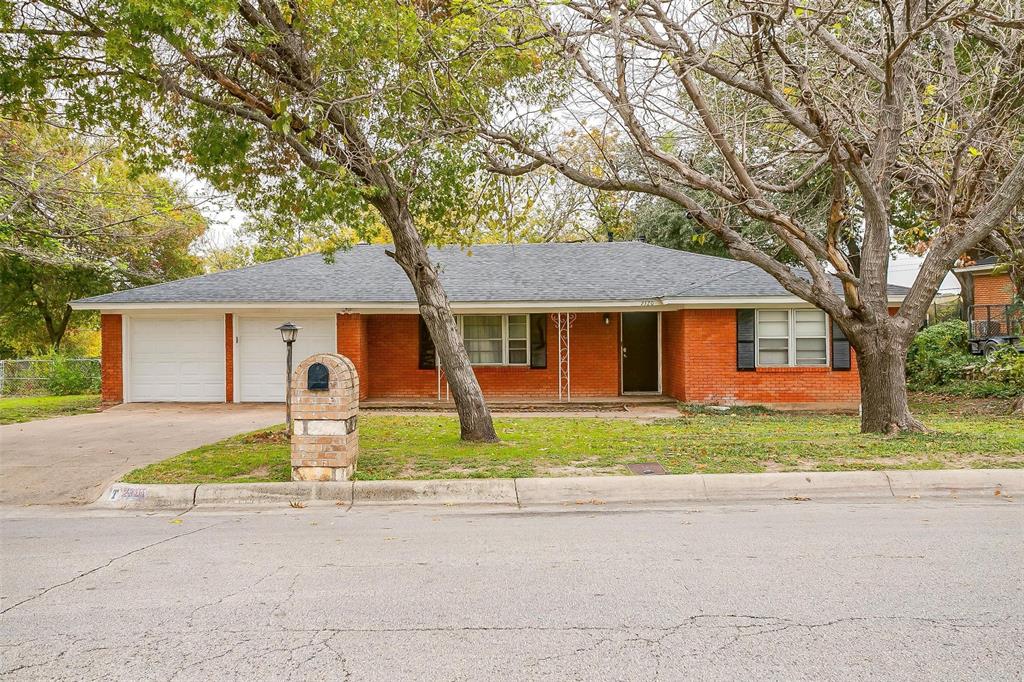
{"points": [[496, 339], [791, 338]]}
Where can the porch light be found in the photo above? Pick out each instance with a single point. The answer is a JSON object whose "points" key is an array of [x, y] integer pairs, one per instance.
{"points": [[289, 332], [607, 318]]}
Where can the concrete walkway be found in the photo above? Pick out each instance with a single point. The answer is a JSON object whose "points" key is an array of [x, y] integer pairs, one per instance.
{"points": [[70, 460], [639, 412]]}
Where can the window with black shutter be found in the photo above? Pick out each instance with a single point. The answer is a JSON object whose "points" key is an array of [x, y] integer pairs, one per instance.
{"points": [[428, 355], [538, 341], [745, 356], [840, 349]]}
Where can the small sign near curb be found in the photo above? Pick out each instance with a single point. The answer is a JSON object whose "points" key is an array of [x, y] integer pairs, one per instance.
{"points": [[128, 493]]}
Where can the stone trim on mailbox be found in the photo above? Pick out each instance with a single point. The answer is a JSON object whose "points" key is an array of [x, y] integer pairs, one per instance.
{"points": [[325, 434]]}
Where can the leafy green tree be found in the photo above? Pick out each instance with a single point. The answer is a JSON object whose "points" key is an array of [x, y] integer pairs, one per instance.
{"points": [[76, 221], [665, 224], [325, 111]]}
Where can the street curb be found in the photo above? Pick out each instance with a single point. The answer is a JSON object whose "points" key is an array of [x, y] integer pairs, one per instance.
{"points": [[579, 490], [246, 494], [444, 491], [966, 482]]}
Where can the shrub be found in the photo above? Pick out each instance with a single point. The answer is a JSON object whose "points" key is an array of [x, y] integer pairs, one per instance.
{"points": [[1003, 366], [939, 355], [64, 376]]}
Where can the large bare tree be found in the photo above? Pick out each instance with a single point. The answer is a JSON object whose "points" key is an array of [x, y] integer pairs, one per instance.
{"points": [[832, 123]]}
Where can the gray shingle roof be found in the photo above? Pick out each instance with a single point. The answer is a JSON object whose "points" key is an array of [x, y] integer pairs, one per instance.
{"points": [[616, 271]]}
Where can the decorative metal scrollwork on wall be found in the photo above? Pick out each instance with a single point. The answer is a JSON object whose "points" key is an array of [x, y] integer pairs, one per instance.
{"points": [[563, 323]]}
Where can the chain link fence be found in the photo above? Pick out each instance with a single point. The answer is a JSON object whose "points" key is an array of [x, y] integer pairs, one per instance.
{"points": [[56, 375]]}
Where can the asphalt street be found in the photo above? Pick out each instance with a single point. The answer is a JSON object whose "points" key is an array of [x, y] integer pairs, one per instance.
{"points": [[905, 590]]}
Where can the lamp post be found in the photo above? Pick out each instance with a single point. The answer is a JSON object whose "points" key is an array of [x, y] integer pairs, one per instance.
{"points": [[289, 332]]}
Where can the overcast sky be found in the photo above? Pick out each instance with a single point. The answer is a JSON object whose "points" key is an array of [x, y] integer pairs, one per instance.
{"points": [[903, 269]]}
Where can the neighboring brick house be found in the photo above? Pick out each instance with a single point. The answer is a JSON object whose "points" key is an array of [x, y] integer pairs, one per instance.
{"points": [[991, 291], [542, 322]]}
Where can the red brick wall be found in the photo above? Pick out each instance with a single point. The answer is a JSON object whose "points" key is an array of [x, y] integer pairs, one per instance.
{"points": [[594, 354], [112, 377], [353, 343], [698, 363], [699, 355], [393, 363], [673, 366], [229, 358], [992, 289]]}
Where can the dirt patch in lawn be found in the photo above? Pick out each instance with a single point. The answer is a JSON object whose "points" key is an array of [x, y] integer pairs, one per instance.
{"points": [[957, 406], [266, 437], [258, 472], [581, 470]]}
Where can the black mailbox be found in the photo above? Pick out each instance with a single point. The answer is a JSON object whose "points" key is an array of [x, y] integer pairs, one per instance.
{"points": [[317, 377]]}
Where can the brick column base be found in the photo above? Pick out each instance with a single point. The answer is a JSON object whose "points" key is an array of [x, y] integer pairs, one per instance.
{"points": [[325, 434]]}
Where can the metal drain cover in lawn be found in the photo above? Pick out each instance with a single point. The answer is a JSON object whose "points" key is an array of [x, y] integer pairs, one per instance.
{"points": [[647, 469]]}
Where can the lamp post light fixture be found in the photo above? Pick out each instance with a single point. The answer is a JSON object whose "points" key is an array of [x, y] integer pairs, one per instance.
{"points": [[289, 332]]}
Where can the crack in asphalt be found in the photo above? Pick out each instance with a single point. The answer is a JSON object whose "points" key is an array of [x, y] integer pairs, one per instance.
{"points": [[229, 595], [769, 621], [102, 566], [324, 640]]}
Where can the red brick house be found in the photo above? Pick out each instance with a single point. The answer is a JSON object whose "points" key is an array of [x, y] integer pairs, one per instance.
{"points": [[991, 285], [991, 290], [543, 322]]}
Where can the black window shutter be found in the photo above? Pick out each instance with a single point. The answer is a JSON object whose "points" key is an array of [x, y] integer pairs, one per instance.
{"points": [[840, 349], [745, 361], [538, 341], [428, 356]]}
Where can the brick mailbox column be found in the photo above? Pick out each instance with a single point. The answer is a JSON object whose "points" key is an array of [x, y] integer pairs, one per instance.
{"points": [[325, 408]]}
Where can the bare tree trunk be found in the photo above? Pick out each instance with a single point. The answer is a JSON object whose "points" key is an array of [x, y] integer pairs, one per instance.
{"points": [[54, 328], [474, 416], [966, 280], [57, 335], [881, 361]]}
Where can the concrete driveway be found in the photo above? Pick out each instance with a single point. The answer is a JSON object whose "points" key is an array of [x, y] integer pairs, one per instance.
{"points": [[70, 460]]}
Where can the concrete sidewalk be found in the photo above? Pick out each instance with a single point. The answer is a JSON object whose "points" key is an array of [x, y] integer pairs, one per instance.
{"points": [[1002, 484]]}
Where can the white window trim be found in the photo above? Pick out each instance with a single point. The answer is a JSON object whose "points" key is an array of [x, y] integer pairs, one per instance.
{"points": [[504, 340], [791, 351]]}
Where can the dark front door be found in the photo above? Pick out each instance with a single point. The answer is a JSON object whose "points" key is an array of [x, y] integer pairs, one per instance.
{"points": [[639, 352]]}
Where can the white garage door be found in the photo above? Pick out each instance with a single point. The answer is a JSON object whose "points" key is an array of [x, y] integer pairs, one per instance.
{"points": [[176, 359], [260, 354]]}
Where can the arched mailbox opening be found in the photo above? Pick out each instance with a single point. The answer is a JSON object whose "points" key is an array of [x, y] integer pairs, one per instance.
{"points": [[317, 377], [325, 404]]}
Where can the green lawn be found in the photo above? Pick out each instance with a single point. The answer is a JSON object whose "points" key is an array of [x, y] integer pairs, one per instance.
{"points": [[965, 434], [18, 410]]}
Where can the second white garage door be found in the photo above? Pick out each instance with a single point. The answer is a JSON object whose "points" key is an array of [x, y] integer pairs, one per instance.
{"points": [[260, 353]]}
